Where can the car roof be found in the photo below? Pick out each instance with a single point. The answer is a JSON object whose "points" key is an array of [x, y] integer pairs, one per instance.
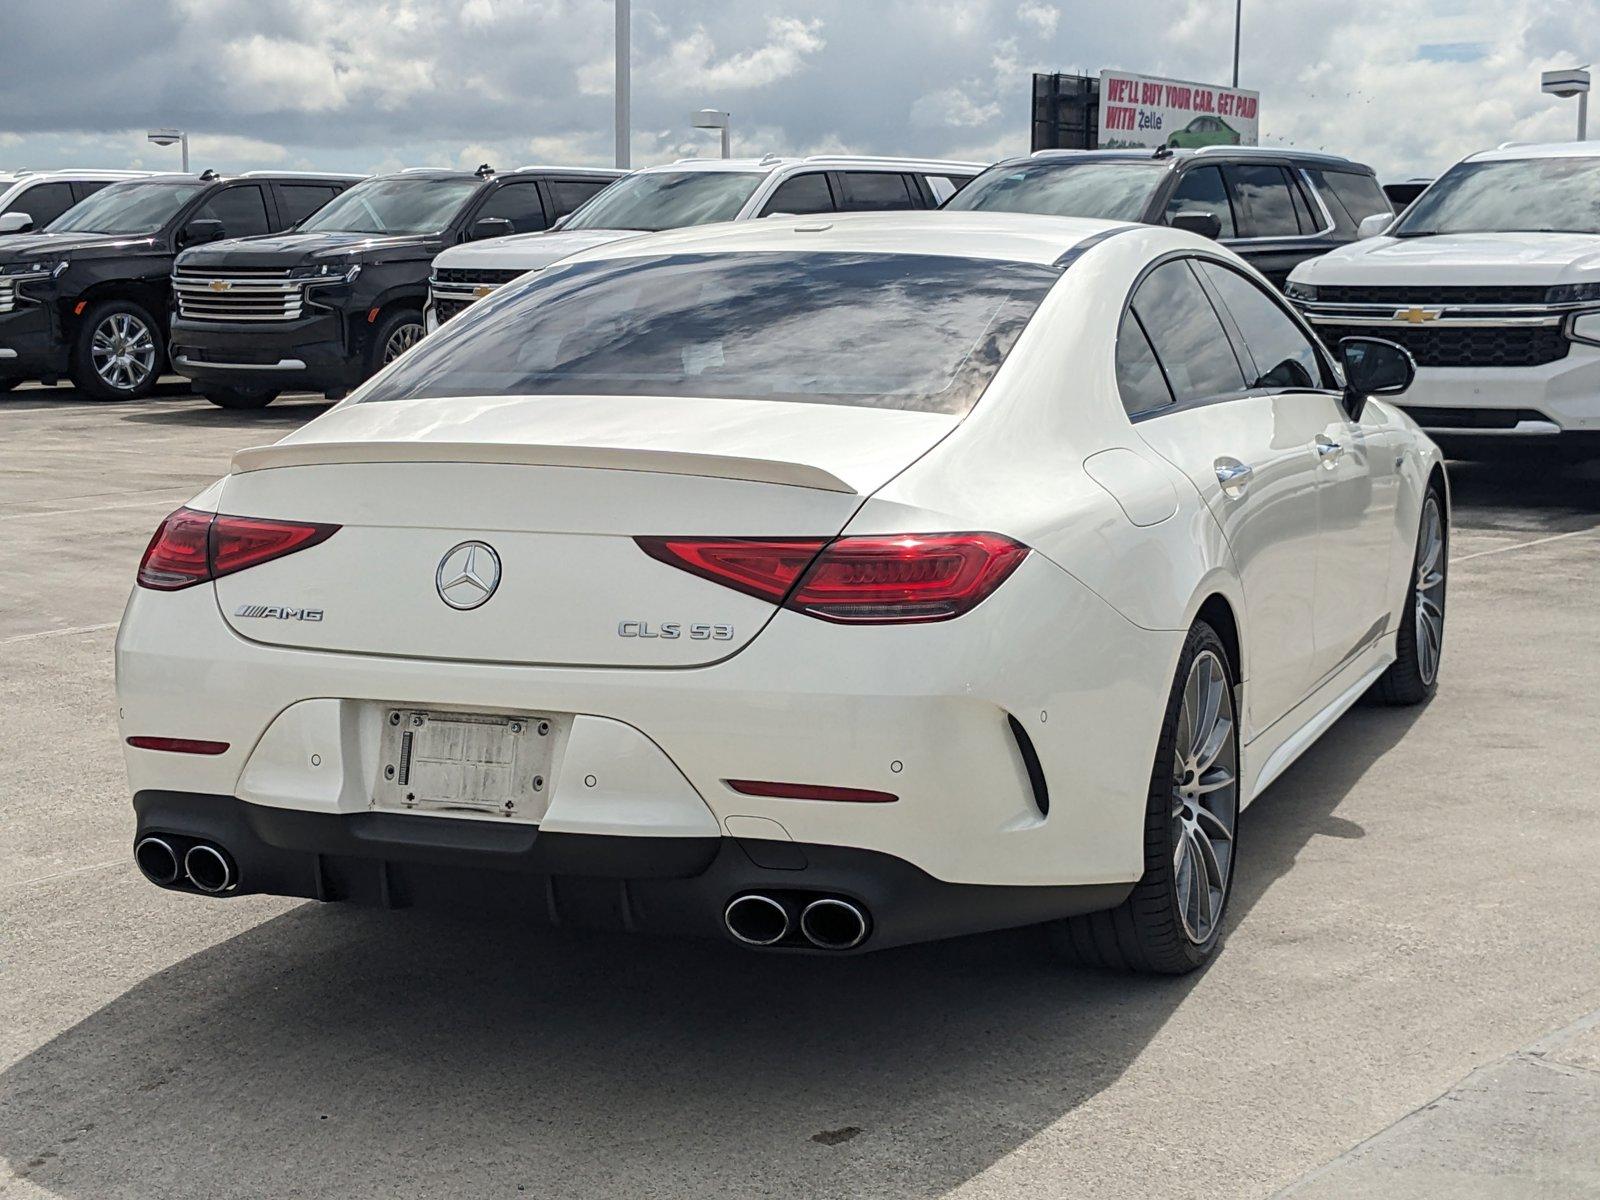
{"points": [[1010, 237], [1176, 156], [93, 174], [834, 162], [1508, 151], [194, 177]]}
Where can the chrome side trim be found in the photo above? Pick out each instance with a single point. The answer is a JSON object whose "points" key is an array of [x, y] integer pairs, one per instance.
{"points": [[283, 364]]}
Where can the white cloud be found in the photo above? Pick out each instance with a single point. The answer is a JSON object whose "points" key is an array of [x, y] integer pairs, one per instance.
{"points": [[1042, 18]]}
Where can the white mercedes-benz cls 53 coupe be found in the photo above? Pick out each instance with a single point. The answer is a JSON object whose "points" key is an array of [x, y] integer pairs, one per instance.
{"points": [[826, 584]]}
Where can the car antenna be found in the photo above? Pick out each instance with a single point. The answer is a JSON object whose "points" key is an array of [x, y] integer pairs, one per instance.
{"points": [[484, 171], [209, 174], [1162, 152]]}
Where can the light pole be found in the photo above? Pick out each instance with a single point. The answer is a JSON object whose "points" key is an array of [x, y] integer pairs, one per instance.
{"points": [[1238, 18], [1571, 83], [624, 50], [713, 118], [168, 137]]}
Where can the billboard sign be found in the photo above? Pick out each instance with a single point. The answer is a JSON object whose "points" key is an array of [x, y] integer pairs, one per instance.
{"points": [[1141, 110]]}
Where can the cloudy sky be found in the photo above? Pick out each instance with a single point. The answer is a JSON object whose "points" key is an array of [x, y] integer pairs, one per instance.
{"points": [[367, 85]]}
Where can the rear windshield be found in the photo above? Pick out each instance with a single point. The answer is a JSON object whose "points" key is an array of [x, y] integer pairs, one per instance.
{"points": [[1113, 191], [1529, 195], [918, 332]]}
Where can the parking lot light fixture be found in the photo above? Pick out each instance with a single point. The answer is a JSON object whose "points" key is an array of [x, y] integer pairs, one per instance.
{"points": [[1573, 82], [712, 118], [169, 137]]}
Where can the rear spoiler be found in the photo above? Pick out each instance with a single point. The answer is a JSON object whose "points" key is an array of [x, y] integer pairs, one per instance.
{"points": [[606, 458]]}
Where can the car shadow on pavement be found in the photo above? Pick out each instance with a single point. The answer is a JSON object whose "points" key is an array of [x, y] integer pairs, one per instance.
{"points": [[346, 1052], [1537, 494]]}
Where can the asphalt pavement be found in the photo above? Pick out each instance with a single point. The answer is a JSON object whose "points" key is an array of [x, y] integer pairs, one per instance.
{"points": [[1405, 1006]]}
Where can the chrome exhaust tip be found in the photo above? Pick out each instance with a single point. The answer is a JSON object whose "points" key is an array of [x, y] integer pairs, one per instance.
{"points": [[756, 920], [157, 860], [831, 924], [209, 869]]}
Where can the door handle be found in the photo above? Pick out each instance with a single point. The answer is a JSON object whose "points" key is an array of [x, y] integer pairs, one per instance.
{"points": [[1328, 450], [1233, 475]]}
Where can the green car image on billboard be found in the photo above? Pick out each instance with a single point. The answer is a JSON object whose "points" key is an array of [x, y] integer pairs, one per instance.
{"points": [[1204, 131]]}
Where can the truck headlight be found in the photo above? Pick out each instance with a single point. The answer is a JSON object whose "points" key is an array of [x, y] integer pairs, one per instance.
{"points": [[1300, 291]]}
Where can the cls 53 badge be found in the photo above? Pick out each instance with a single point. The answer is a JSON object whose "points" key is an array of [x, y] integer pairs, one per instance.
{"points": [[668, 630]]}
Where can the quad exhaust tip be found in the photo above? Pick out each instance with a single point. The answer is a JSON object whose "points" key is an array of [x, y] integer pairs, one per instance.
{"points": [[831, 924], [756, 920], [157, 860], [209, 869]]}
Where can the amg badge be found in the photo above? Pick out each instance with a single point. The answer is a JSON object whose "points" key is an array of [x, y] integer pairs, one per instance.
{"points": [[278, 612]]}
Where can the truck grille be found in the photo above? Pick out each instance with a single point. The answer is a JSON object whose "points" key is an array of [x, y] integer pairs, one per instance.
{"points": [[1461, 346], [237, 294], [453, 289], [8, 295], [1492, 295]]}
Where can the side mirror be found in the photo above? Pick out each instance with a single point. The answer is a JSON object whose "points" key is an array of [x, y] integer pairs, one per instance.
{"points": [[1374, 225], [202, 230], [1373, 367], [490, 227], [1195, 220], [15, 222]]}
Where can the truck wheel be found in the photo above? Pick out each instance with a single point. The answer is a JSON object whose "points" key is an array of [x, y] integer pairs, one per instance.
{"points": [[1172, 921], [239, 397], [395, 334], [117, 352]]}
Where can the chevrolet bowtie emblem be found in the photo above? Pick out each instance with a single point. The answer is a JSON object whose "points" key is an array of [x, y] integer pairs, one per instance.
{"points": [[482, 290], [220, 285], [1417, 316]]}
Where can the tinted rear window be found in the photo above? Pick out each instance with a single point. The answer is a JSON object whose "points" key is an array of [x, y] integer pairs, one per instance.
{"points": [[918, 332], [1114, 190], [1359, 194]]}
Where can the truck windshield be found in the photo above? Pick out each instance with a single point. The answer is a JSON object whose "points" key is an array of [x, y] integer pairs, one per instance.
{"points": [[395, 206], [1525, 195], [1112, 191], [128, 207], [657, 200], [924, 333]]}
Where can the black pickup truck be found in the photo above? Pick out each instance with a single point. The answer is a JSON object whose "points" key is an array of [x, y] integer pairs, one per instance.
{"points": [[322, 307], [89, 297]]}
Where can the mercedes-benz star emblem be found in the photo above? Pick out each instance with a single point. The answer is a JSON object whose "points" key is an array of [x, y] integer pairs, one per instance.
{"points": [[468, 575]]}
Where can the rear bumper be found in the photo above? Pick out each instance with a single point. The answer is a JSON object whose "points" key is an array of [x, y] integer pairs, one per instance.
{"points": [[674, 885], [314, 355]]}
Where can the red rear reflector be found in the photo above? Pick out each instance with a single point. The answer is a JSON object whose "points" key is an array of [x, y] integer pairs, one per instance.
{"points": [[862, 580], [809, 791], [193, 547], [178, 745]]}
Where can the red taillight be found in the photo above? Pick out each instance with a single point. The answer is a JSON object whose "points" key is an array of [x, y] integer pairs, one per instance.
{"points": [[192, 547], [860, 580], [809, 791], [178, 745]]}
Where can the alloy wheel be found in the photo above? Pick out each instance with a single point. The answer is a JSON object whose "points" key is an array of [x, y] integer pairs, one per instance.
{"points": [[1429, 590], [1205, 797], [123, 351], [402, 339]]}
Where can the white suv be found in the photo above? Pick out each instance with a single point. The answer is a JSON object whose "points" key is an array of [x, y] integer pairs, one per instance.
{"points": [[696, 192], [1492, 280], [30, 200]]}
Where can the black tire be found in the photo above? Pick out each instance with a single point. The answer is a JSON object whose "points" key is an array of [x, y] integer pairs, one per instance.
{"points": [[1146, 932], [384, 333], [239, 397], [1412, 678], [84, 375]]}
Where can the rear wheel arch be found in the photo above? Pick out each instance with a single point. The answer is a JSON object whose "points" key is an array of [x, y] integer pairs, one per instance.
{"points": [[1217, 611]]}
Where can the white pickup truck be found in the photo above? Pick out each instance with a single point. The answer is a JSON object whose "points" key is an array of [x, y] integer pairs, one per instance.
{"points": [[1491, 279]]}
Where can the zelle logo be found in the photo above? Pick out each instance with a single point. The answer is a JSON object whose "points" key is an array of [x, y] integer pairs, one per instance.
{"points": [[278, 612], [668, 630]]}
